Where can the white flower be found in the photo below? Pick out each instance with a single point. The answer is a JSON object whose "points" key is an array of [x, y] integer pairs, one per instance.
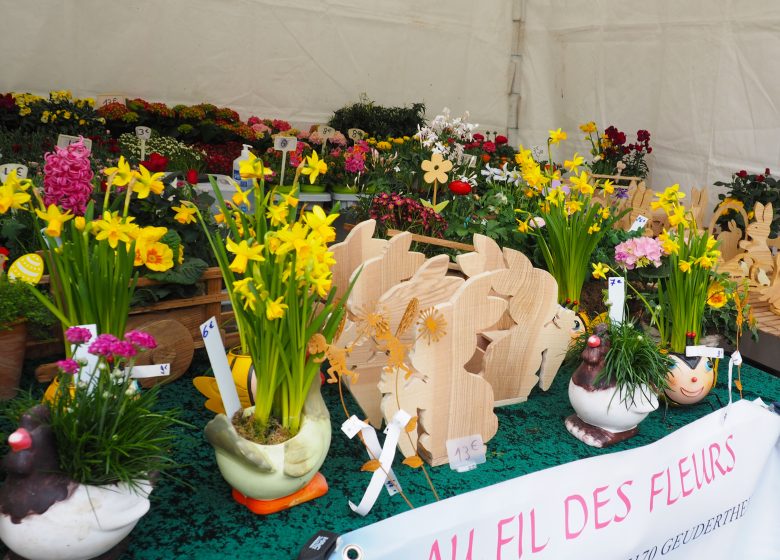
{"points": [[501, 197]]}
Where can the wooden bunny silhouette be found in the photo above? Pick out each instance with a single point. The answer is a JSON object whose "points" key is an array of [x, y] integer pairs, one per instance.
{"points": [[758, 232], [771, 294], [450, 401], [531, 344], [357, 247]]}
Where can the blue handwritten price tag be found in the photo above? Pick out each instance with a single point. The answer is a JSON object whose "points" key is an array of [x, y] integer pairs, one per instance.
{"points": [[616, 298], [219, 364], [638, 224], [466, 453]]}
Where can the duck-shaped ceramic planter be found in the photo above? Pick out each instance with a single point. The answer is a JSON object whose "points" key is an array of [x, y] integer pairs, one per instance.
{"points": [[605, 415], [46, 516]]}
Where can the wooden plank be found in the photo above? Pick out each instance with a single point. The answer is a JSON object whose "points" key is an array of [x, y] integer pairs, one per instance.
{"points": [[434, 241]]}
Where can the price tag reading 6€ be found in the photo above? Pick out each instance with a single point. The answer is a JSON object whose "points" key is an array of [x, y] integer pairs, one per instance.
{"points": [[285, 143], [466, 453]]}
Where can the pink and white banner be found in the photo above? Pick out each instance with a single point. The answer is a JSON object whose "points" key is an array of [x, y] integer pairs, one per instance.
{"points": [[709, 490]]}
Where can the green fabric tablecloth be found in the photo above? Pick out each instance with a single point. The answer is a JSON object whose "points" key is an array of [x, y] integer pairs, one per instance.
{"points": [[203, 522]]}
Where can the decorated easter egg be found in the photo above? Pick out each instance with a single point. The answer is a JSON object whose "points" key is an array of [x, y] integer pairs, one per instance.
{"points": [[28, 268]]}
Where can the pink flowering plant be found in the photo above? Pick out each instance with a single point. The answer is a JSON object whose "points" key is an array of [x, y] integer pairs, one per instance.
{"points": [[68, 177], [108, 430], [639, 252]]}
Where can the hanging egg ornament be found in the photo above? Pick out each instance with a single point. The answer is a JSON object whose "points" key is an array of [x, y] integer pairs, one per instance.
{"points": [[27, 268]]}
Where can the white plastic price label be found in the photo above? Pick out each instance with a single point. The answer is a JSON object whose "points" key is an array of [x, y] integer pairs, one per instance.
{"points": [[355, 134], [326, 131], [154, 370], [143, 132], [285, 143], [616, 298], [703, 351], [8, 168], [639, 223], [108, 98], [65, 140], [466, 453], [219, 364], [352, 426]]}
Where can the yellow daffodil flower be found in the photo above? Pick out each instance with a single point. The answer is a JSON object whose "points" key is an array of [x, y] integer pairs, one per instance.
{"points": [[120, 175], [290, 200], [322, 285], [555, 197], [574, 163], [588, 127], [80, 223], [684, 266], [522, 226], [594, 228], [277, 213], [241, 198], [253, 168], [608, 186], [54, 219], [244, 253], [436, 168], [274, 309], [704, 261], [677, 216], [580, 182], [146, 182], [556, 136], [314, 167], [185, 214], [10, 198], [114, 229], [604, 213], [320, 223], [600, 271], [573, 206]]}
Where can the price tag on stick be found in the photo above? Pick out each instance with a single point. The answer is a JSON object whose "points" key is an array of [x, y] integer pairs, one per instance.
{"points": [[284, 144], [616, 298], [219, 364], [704, 351], [355, 134], [8, 168], [638, 224], [154, 370], [144, 133], [466, 453], [65, 140]]}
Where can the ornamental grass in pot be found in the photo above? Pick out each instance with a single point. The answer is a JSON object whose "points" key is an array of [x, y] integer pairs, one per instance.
{"points": [[616, 384], [276, 266]]}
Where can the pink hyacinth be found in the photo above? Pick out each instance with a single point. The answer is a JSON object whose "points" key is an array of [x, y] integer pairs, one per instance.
{"points": [[639, 252], [69, 366], [142, 340], [78, 335], [67, 178]]}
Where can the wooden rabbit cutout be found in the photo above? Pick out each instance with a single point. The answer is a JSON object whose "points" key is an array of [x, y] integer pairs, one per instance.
{"points": [[757, 246], [771, 294], [357, 247]]}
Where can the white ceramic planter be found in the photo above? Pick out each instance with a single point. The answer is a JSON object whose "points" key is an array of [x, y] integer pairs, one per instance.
{"points": [[268, 472], [605, 408], [90, 522]]}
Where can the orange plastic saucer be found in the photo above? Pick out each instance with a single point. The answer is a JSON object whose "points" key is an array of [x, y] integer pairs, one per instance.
{"points": [[316, 488]]}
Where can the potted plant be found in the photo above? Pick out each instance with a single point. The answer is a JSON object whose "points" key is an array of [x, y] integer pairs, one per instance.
{"points": [[80, 467], [616, 385], [611, 154], [277, 270]]}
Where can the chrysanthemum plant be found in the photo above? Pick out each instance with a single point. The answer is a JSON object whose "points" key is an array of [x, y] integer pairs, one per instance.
{"points": [[568, 217], [91, 261], [276, 265]]}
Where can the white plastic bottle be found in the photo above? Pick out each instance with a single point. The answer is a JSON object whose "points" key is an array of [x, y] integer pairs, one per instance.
{"points": [[243, 183]]}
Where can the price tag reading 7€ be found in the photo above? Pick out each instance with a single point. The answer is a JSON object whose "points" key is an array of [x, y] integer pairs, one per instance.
{"points": [[616, 298], [326, 132], [466, 453], [285, 143]]}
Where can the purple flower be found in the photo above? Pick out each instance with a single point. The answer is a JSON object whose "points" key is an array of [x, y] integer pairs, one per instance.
{"points": [[621, 192], [69, 366], [123, 349], [78, 335], [103, 344], [140, 339]]}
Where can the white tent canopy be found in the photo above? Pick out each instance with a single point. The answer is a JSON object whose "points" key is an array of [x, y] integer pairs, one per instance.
{"points": [[701, 75]]}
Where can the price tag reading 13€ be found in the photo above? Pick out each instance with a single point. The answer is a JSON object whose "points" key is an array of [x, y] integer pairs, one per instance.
{"points": [[466, 453]]}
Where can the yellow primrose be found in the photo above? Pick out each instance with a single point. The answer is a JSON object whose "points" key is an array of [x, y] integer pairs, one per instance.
{"points": [[54, 219], [158, 257], [320, 223], [556, 136], [588, 127], [574, 163], [244, 253], [600, 271], [186, 214], [314, 167], [253, 168], [120, 175], [147, 182], [716, 295], [274, 309]]}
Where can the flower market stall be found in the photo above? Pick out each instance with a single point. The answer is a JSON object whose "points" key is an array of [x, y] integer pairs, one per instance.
{"points": [[364, 297]]}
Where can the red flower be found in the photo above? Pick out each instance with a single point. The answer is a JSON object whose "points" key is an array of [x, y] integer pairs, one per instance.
{"points": [[742, 173], [500, 139], [192, 177], [486, 157], [767, 172], [156, 163], [489, 147], [478, 137], [760, 178], [460, 188]]}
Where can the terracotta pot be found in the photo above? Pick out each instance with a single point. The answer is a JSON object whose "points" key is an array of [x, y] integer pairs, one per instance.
{"points": [[690, 379], [12, 348], [270, 472], [93, 520]]}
